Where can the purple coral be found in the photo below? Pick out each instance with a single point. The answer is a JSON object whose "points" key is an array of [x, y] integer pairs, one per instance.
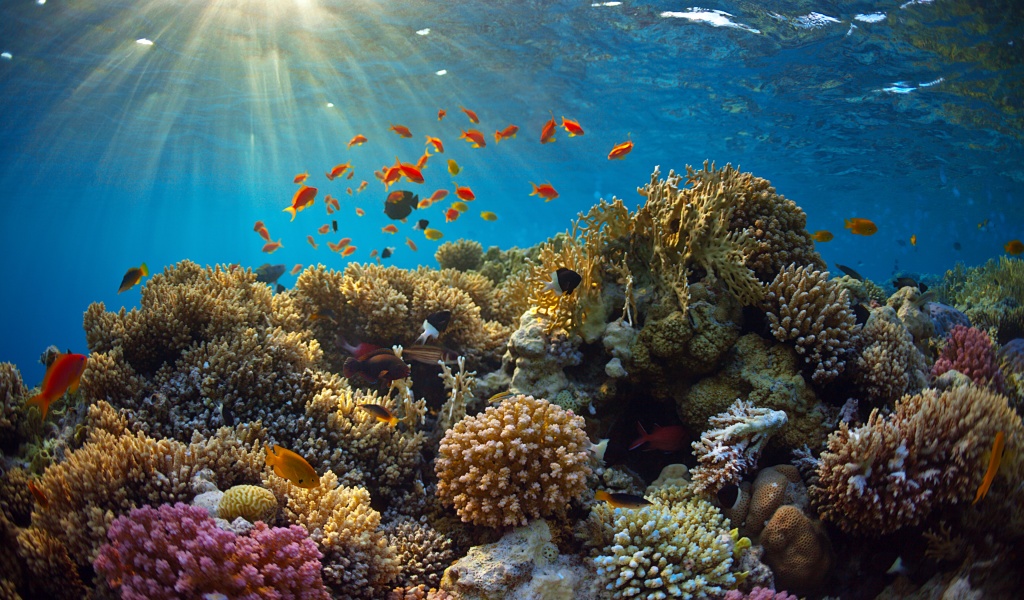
{"points": [[759, 593], [970, 352], [179, 552]]}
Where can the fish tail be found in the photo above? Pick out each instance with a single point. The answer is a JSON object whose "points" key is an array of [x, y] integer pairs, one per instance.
{"points": [[640, 441], [292, 211], [40, 402]]}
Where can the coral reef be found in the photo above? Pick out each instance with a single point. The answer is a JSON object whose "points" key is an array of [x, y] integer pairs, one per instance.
{"points": [[540, 358], [889, 365], [894, 470], [460, 255], [522, 459], [991, 295], [970, 351], [806, 308], [772, 488], [177, 551], [12, 395], [797, 549], [733, 445], [250, 502], [422, 551]]}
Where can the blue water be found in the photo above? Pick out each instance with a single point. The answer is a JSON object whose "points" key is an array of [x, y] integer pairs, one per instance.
{"points": [[114, 152]]}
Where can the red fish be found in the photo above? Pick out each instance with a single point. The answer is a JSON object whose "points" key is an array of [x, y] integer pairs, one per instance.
{"points": [[571, 127], [545, 191], [348, 191], [360, 212], [438, 195], [422, 162], [63, 375], [450, 215], [547, 135], [669, 439], [411, 244], [264, 234], [390, 229], [508, 132], [620, 151], [474, 137], [271, 247], [296, 269], [438, 145], [362, 186], [324, 228], [361, 351], [472, 115], [259, 225], [303, 197], [348, 250], [441, 113], [464, 193], [38, 494], [311, 241], [401, 130], [300, 177], [358, 140], [410, 172], [391, 175], [338, 170]]}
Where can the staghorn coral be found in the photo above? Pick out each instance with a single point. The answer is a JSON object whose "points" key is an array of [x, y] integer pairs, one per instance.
{"points": [[797, 549], [813, 313], [733, 445], [460, 255], [178, 551], [250, 502], [888, 365], [970, 351], [357, 561], [422, 551], [931, 451], [522, 459]]}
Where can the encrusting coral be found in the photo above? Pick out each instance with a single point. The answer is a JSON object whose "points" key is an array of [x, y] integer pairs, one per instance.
{"points": [[522, 459], [733, 445], [806, 308], [931, 451]]}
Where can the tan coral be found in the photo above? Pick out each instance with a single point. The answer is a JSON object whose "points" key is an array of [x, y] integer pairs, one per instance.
{"points": [[889, 365], [15, 498], [522, 459], [769, 492], [460, 255], [797, 549], [422, 551], [250, 502], [50, 572], [12, 394]]}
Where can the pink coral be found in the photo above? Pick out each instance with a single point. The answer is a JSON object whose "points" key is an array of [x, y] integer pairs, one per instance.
{"points": [[970, 352], [179, 552], [759, 593]]}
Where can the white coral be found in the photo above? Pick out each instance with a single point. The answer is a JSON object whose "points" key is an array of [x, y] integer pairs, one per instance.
{"points": [[734, 443]]}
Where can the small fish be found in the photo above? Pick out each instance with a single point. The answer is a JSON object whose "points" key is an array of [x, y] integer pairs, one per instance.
{"points": [[958, 247], [453, 167], [38, 494], [913, 240], [401, 130], [434, 325], [296, 269], [563, 281], [380, 413], [861, 313], [390, 228], [822, 236], [334, 226], [63, 375], [303, 197], [619, 151], [361, 351], [495, 399], [400, 204], [465, 193], [373, 253], [438, 195], [621, 500], [264, 233], [571, 127], [311, 241], [132, 277], [259, 225], [993, 467], [1013, 247], [668, 439], [474, 137], [343, 242], [488, 216], [409, 171], [268, 273], [421, 225], [380, 365], [728, 495], [360, 212], [860, 226], [300, 177], [425, 203], [451, 215], [358, 140], [472, 115], [429, 355], [387, 252], [441, 113], [292, 467], [432, 234], [411, 244], [324, 313], [504, 134], [460, 206], [362, 186], [547, 133], [348, 251], [545, 191], [325, 228], [436, 143], [271, 247], [348, 191], [338, 170], [848, 271]]}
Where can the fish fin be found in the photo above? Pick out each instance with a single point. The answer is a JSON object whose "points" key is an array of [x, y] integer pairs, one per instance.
{"points": [[144, 269], [39, 402], [292, 211], [640, 441]]}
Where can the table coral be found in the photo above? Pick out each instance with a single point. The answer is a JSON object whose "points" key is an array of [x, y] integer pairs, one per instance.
{"points": [[177, 551], [522, 459], [931, 451], [806, 308], [889, 365], [733, 445], [970, 351]]}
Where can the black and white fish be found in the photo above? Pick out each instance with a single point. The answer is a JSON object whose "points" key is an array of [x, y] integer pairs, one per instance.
{"points": [[434, 325], [563, 281]]}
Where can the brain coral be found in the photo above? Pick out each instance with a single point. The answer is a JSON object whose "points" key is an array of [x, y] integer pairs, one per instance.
{"points": [[807, 309], [931, 451], [522, 459], [251, 502]]}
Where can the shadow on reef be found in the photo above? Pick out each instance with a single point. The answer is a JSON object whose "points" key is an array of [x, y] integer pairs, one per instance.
{"points": [[757, 424]]}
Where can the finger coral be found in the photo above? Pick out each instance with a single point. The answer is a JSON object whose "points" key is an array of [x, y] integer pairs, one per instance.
{"points": [[805, 308], [970, 351], [733, 445], [931, 451], [522, 459], [178, 551], [889, 365]]}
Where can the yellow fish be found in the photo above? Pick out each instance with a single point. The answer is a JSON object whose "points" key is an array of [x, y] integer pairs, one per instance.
{"points": [[433, 234], [913, 240], [501, 396], [292, 467], [822, 236], [453, 167], [460, 206], [488, 216], [993, 467]]}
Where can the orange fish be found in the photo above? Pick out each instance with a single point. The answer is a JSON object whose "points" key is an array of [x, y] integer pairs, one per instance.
{"points": [[993, 467], [411, 244], [348, 250], [391, 175], [425, 203], [545, 191], [324, 228], [441, 113], [63, 375], [438, 195], [303, 197], [292, 467], [422, 162], [259, 225], [913, 240], [330, 209], [822, 236], [450, 215], [474, 137], [547, 134], [390, 229], [338, 170], [341, 244], [38, 494], [296, 269], [350, 175], [410, 172], [464, 193], [401, 130], [300, 177], [619, 151], [360, 212], [508, 132], [271, 247], [1014, 247], [334, 203], [380, 413], [860, 226], [358, 140], [362, 186], [373, 253], [264, 234], [438, 146], [348, 191], [571, 127], [311, 241], [470, 114]]}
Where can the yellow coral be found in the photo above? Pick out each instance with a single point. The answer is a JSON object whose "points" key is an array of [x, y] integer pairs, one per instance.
{"points": [[251, 502]]}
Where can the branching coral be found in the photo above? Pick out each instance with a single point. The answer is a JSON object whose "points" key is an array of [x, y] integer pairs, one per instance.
{"points": [[813, 313], [178, 551], [889, 365], [970, 351], [893, 471], [460, 255], [733, 445], [992, 295], [422, 551], [522, 459]]}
